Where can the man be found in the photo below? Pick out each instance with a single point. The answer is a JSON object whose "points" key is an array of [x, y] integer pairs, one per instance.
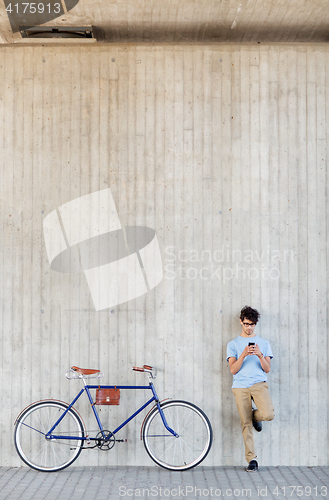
{"points": [[249, 365]]}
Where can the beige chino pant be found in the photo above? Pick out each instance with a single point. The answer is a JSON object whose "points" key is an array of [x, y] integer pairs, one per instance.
{"points": [[265, 411]]}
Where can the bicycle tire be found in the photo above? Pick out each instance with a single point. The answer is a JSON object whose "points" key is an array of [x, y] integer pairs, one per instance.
{"points": [[48, 455], [187, 450]]}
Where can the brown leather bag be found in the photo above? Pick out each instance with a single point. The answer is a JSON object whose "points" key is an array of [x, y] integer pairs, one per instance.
{"points": [[107, 396]]}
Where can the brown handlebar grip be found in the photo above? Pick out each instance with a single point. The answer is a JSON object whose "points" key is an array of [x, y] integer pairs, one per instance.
{"points": [[148, 367], [137, 369]]}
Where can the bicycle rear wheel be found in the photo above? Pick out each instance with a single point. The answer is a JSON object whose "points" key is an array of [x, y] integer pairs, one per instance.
{"points": [[48, 455], [194, 436]]}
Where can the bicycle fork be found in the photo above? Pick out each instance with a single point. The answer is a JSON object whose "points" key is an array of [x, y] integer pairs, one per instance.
{"points": [[165, 423]]}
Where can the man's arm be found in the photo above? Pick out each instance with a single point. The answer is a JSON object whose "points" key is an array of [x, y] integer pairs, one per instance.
{"points": [[265, 362], [235, 364]]}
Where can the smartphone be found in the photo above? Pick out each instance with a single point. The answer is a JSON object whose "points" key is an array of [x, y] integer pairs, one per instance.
{"points": [[251, 343]]}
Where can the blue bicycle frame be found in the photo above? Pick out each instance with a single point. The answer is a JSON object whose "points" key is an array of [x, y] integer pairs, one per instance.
{"points": [[87, 388]]}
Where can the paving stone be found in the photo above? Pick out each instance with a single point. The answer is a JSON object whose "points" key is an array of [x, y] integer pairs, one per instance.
{"points": [[112, 483]]}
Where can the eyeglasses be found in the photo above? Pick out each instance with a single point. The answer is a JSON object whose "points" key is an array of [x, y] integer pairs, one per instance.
{"points": [[249, 324]]}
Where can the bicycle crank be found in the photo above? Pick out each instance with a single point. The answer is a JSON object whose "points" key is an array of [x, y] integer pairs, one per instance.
{"points": [[105, 440]]}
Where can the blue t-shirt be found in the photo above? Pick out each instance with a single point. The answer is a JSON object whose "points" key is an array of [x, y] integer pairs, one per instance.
{"points": [[251, 371]]}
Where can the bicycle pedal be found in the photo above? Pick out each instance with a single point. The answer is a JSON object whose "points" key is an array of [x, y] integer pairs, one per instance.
{"points": [[121, 440]]}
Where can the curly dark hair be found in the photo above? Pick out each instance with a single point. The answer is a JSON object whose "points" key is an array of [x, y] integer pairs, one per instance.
{"points": [[248, 312]]}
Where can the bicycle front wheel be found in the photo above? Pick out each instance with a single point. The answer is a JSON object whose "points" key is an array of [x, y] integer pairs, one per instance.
{"points": [[194, 436], [40, 453]]}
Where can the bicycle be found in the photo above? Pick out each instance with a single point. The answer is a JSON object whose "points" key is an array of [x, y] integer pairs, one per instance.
{"points": [[50, 434]]}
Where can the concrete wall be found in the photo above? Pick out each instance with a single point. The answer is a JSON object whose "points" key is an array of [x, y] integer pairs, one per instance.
{"points": [[222, 150]]}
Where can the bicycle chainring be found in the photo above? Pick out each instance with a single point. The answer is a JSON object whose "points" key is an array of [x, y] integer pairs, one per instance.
{"points": [[105, 440]]}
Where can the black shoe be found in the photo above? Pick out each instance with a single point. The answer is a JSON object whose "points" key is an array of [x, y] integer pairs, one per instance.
{"points": [[253, 466], [257, 425]]}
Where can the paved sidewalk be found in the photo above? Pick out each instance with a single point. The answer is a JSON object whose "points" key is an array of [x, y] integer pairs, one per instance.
{"points": [[103, 483]]}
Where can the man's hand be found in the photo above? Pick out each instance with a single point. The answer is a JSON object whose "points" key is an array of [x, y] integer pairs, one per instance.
{"points": [[246, 351], [256, 350]]}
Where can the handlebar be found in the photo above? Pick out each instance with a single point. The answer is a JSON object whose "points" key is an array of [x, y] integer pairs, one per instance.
{"points": [[152, 371]]}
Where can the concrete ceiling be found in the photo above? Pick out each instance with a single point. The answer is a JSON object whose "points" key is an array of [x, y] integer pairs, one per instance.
{"points": [[176, 21]]}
